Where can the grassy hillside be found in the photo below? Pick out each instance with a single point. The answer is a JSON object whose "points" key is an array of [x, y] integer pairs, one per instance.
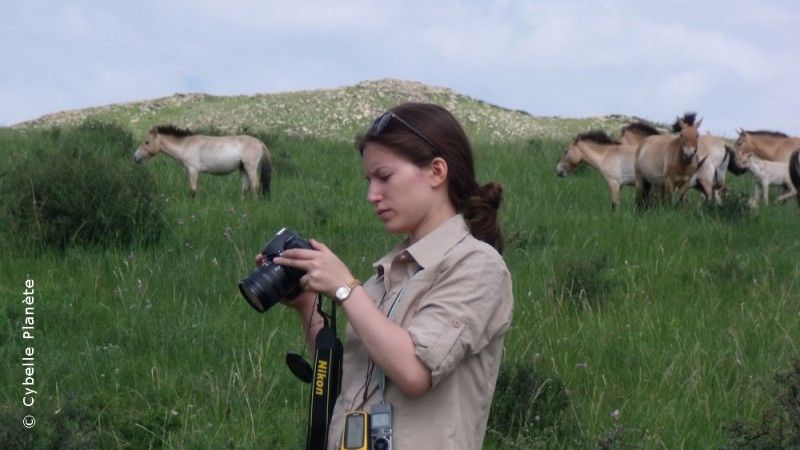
{"points": [[330, 114], [654, 329]]}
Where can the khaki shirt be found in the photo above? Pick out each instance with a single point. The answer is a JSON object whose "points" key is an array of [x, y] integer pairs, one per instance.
{"points": [[453, 295]]}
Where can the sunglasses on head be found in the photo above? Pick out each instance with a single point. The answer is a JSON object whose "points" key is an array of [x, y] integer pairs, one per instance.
{"points": [[380, 124]]}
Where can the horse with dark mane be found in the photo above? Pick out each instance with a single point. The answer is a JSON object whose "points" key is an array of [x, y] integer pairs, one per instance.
{"points": [[611, 158], [767, 145], [669, 161], [217, 155], [634, 133]]}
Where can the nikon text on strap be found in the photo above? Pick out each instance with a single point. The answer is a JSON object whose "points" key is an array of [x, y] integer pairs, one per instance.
{"points": [[326, 381]]}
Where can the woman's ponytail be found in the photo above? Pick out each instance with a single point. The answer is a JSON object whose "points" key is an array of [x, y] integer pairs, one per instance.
{"points": [[480, 213]]}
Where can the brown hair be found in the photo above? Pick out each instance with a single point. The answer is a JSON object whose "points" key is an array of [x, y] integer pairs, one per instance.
{"points": [[478, 204]]}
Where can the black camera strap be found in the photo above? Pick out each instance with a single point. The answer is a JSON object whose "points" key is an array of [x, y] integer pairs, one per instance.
{"points": [[326, 380]]}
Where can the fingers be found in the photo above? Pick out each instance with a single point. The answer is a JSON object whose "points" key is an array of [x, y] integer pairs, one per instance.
{"points": [[259, 259], [305, 282], [319, 245]]}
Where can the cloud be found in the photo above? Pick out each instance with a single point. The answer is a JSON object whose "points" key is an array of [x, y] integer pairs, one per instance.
{"points": [[568, 57]]}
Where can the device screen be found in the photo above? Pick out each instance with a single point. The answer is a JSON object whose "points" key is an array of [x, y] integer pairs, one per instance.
{"points": [[354, 432], [380, 420]]}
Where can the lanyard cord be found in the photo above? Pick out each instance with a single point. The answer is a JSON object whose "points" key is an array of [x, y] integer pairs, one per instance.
{"points": [[392, 310], [371, 366]]}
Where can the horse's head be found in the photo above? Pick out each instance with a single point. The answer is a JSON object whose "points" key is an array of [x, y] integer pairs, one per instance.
{"points": [[744, 143], [688, 139], [742, 158], [571, 159], [148, 148]]}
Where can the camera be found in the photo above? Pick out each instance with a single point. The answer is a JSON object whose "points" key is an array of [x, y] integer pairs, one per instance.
{"points": [[271, 282]]}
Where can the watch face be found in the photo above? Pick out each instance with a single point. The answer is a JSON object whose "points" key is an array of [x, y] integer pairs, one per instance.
{"points": [[342, 293]]}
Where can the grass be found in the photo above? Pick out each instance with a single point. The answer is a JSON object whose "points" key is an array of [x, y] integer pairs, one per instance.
{"points": [[663, 326]]}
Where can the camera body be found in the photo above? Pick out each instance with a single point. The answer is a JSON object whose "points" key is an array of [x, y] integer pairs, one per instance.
{"points": [[271, 282]]}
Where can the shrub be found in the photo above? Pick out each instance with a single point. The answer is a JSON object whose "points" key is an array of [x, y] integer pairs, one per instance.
{"points": [[780, 421], [77, 193], [94, 136], [581, 278], [527, 404]]}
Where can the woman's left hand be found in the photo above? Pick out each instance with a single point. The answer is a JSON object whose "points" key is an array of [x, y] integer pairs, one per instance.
{"points": [[325, 272]]}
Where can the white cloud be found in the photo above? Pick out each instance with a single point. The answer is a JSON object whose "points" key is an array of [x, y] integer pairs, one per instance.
{"points": [[732, 61]]}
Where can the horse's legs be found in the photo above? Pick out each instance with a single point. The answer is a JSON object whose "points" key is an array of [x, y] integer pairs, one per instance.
{"points": [[668, 188], [192, 180], [708, 189], [684, 191], [789, 192], [245, 180], [756, 197], [765, 191], [613, 188], [252, 175], [639, 185]]}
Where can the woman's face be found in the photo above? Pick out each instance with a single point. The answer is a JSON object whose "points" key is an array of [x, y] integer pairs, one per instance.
{"points": [[400, 191]]}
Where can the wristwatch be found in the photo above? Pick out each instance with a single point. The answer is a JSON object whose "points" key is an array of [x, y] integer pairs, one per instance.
{"points": [[343, 292]]}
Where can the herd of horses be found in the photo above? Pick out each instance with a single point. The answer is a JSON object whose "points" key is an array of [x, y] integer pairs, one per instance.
{"points": [[642, 157], [683, 159]]}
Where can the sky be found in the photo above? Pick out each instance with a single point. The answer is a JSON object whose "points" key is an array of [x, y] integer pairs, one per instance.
{"points": [[736, 63]]}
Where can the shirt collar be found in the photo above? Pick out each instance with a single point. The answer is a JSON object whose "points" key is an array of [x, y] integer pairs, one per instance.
{"points": [[430, 249]]}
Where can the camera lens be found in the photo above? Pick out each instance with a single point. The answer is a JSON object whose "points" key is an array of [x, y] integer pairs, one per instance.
{"points": [[271, 283], [264, 286]]}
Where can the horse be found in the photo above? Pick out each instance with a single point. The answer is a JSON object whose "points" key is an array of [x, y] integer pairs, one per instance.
{"points": [[768, 145], [765, 174], [634, 133], [711, 176], [794, 173], [218, 155], [668, 161], [611, 158]]}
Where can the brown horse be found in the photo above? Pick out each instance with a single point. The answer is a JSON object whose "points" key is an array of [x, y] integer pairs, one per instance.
{"points": [[218, 155], [611, 158], [634, 133], [768, 145], [711, 176], [668, 161]]}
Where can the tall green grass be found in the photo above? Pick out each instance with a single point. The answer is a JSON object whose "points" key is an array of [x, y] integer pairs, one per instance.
{"points": [[663, 326]]}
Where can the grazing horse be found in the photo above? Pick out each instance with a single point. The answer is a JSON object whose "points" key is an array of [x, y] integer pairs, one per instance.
{"points": [[611, 158], [768, 145], [765, 174], [217, 155], [668, 161]]}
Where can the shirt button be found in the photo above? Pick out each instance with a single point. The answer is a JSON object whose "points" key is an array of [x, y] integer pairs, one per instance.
{"points": [[455, 323]]}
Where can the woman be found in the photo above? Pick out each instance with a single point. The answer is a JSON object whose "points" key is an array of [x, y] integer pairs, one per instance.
{"points": [[433, 316]]}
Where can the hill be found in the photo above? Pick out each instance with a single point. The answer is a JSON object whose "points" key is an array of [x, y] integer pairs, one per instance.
{"points": [[336, 114]]}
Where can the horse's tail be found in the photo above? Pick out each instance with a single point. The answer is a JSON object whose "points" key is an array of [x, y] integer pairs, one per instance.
{"points": [[265, 168], [794, 171]]}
